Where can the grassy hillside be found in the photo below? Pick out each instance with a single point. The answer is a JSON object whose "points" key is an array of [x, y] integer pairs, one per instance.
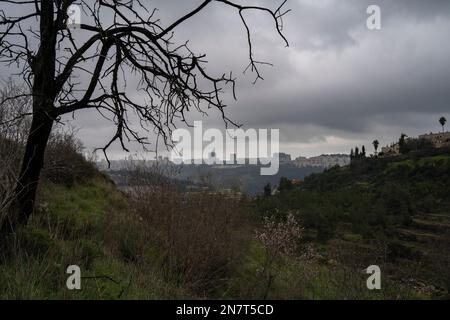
{"points": [[393, 212], [311, 242], [86, 225]]}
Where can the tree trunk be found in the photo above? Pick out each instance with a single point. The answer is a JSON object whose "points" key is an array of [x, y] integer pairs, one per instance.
{"points": [[32, 164], [44, 93]]}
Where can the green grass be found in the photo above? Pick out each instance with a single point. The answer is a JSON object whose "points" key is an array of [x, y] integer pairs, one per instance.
{"points": [[86, 202], [70, 229], [296, 278]]}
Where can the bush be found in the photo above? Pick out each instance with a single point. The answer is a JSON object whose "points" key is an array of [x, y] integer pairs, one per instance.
{"points": [[9, 160], [200, 235], [414, 144], [285, 184], [14, 103], [64, 162], [278, 239]]}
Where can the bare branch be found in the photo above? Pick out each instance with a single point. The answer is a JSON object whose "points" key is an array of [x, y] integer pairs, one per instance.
{"points": [[135, 45]]}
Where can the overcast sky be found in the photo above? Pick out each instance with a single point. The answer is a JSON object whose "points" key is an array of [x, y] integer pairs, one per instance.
{"points": [[337, 85]]}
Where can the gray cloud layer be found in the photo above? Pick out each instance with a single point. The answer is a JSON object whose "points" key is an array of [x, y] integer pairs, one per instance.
{"points": [[338, 84]]}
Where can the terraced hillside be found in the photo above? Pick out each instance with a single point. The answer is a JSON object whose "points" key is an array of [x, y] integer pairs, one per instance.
{"points": [[394, 212]]}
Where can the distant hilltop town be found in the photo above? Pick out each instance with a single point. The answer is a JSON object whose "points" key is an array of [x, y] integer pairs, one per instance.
{"points": [[323, 161], [242, 174], [435, 140], [404, 145]]}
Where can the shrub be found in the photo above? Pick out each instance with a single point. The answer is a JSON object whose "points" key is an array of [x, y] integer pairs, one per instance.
{"points": [[278, 238], [64, 161], [14, 103], [285, 184], [9, 160], [200, 235]]}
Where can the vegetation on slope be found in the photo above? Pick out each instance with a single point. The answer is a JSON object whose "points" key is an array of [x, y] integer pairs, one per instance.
{"points": [[311, 242], [394, 212]]}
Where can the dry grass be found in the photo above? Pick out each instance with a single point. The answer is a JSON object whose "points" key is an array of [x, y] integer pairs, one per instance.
{"points": [[13, 129], [201, 236]]}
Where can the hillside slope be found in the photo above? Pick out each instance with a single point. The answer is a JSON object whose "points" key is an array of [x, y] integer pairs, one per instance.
{"points": [[86, 225], [157, 243], [393, 212]]}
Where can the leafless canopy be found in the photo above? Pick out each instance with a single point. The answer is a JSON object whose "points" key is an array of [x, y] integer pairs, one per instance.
{"points": [[122, 39]]}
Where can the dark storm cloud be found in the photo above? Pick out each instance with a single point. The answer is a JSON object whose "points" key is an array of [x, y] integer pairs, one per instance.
{"points": [[341, 78], [337, 84]]}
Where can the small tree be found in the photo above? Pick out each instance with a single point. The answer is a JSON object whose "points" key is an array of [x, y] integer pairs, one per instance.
{"points": [[376, 143], [285, 184], [278, 238], [402, 143], [443, 121], [267, 190]]}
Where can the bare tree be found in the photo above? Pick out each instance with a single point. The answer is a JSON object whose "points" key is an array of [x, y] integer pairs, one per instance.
{"points": [[13, 131], [122, 38]]}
